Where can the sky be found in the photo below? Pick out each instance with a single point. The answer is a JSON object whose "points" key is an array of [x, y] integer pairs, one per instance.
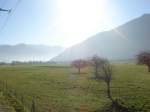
{"points": [[64, 22]]}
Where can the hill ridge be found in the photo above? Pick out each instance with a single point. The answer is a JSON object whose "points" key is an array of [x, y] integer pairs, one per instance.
{"points": [[110, 44]]}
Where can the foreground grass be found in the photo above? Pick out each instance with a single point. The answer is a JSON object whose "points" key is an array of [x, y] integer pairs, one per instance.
{"points": [[5, 105], [57, 89]]}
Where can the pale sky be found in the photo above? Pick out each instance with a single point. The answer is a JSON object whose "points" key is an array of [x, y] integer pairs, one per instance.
{"points": [[65, 22]]}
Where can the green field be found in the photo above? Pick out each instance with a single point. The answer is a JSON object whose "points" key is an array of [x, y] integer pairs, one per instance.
{"points": [[60, 89]]}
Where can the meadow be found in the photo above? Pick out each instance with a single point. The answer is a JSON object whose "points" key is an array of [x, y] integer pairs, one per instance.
{"points": [[60, 89]]}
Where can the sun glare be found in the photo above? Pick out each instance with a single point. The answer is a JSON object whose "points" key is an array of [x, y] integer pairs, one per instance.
{"points": [[81, 18]]}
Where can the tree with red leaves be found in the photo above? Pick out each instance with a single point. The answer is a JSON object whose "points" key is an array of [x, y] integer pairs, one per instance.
{"points": [[144, 58], [79, 64]]}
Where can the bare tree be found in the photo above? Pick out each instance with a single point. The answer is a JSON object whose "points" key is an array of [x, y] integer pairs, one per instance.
{"points": [[79, 64], [97, 63], [144, 58], [106, 72], [103, 71]]}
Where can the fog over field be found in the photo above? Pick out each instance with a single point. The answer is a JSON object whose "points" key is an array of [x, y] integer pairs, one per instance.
{"points": [[27, 52]]}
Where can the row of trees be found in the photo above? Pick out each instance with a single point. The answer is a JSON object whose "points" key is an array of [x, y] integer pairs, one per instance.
{"points": [[102, 70], [143, 58]]}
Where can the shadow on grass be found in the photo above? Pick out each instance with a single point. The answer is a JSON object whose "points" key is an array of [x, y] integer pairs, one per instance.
{"points": [[119, 106], [75, 73]]}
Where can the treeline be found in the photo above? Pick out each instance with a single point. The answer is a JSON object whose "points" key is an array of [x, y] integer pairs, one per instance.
{"points": [[27, 62]]}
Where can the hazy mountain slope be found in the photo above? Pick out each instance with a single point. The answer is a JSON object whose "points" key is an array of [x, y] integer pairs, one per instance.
{"points": [[123, 42], [25, 52]]}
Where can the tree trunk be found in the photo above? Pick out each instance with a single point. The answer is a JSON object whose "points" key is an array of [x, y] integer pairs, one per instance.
{"points": [[96, 71], [148, 68], [79, 70], [109, 92]]}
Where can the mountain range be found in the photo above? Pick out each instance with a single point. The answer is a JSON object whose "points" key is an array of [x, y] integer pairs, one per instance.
{"points": [[27, 52], [122, 42]]}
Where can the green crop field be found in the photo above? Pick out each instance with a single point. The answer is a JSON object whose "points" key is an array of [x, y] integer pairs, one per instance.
{"points": [[61, 89]]}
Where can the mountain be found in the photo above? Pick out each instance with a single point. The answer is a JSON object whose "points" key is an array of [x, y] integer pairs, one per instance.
{"points": [[122, 42], [26, 52]]}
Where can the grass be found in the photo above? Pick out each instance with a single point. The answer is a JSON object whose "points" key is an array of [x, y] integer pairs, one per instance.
{"points": [[5, 105], [58, 89]]}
